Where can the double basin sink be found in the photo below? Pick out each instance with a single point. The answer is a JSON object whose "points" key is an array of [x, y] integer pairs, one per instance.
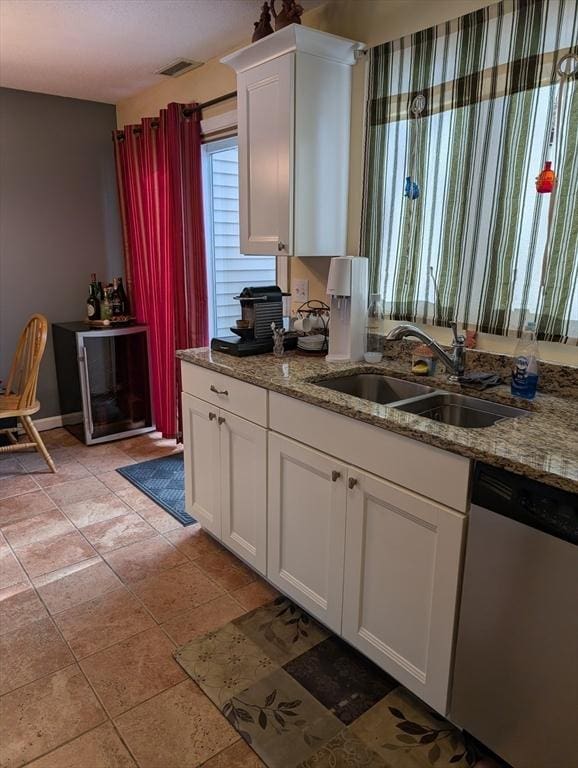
{"points": [[422, 400]]}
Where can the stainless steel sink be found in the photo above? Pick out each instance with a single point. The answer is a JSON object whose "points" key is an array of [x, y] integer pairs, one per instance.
{"points": [[375, 387], [460, 410]]}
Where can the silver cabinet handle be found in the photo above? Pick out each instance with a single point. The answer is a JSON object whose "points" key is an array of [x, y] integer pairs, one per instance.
{"points": [[214, 389], [280, 246], [335, 475], [352, 482], [212, 416], [221, 420]]}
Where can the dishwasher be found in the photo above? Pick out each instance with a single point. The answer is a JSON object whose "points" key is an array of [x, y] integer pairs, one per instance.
{"points": [[515, 682]]}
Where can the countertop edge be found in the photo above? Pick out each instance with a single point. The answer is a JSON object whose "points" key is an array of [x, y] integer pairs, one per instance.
{"points": [[519, 468]]}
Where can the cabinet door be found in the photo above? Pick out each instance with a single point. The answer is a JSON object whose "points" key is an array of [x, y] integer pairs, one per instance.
{"points": [[402, 563], [265, 109], [307, 498], [244, 489], [202, 466]]}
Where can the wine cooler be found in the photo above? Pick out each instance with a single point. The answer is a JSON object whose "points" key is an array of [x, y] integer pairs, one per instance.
{"points": [[103, 381]]}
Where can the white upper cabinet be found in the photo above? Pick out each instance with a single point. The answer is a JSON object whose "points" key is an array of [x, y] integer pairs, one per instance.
{"points": [[293, 102]]}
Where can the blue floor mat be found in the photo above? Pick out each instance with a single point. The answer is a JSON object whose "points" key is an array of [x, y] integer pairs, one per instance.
{"points": [[163, 480]]}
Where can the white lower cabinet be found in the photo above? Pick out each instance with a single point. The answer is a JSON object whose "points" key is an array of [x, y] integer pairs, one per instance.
{"points": [[307, 527], [202, 460], [226, 478], [244, 489], [402, 568]]}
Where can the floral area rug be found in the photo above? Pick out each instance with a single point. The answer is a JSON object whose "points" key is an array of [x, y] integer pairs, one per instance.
{"points": [[302, 698]]}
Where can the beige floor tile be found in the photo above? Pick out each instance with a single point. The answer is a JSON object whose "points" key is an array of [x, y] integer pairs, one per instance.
{"points": [[34, 462], [11, 572], [226, 569], [99, 748], [43, 715], [206, 618], [20, 507], [47, 525], [31, 652], [158, 518], [71, 470], [19, 606], [144, 558], [118, 532], [255, 595], [52, 554], [114, 481], [107, 462], [193, 541], [14, 485], [179, 728], [102, 622], [76, 584], [90, 511], [59, 438], [10, 466], [133, 671], [167, 593], [238, 755], [134, 498], [76, 490]]}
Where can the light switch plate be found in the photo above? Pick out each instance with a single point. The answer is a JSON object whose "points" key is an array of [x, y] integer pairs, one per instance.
{"points": [[300, 290]]}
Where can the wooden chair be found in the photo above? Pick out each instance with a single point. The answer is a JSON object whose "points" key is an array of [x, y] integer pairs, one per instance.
{"points": [[20, 401]]}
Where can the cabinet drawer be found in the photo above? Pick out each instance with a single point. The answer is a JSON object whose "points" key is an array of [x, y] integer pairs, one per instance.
{"points": [[232, 395], [429, 471]]}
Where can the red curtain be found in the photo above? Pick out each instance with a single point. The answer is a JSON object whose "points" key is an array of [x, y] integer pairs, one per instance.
{"points": [[160, 188]]}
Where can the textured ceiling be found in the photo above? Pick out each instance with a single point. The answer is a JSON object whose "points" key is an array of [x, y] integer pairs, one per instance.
{"points": [[106, 50]]}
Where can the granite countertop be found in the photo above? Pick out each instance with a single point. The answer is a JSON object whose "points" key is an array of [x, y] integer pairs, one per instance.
{"points": [[542, 446]]}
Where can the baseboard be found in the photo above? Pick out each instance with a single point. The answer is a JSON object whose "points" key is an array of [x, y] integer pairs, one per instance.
{"points": [[53, 422]]}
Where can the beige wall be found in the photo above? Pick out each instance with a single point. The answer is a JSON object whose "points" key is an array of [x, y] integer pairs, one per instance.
{"points": [[372, 22]]}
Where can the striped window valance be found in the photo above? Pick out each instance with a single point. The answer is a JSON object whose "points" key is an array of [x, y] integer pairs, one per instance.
{"points": [[478, 133]]}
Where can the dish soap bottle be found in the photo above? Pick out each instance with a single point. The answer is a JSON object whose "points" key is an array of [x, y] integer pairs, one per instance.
{"points": [[525, 366]]}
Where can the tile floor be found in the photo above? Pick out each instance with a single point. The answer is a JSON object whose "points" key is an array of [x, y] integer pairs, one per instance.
{"points": [[98, 586]]}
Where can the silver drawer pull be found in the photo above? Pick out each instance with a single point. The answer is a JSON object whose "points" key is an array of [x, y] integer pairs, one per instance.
{"points": [[335, 475], [214, 389], [221, 420], [352, 482], [212, 416]]}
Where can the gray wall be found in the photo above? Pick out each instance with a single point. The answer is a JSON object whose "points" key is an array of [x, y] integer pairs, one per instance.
{"points": [[59, 216]]}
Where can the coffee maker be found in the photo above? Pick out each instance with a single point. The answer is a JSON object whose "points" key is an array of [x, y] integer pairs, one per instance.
{"points": [[347, 289], [260, 307]]}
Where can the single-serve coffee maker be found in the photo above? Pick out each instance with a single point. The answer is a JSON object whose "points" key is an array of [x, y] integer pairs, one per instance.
{"points": [[260, 307], [347, 289]]}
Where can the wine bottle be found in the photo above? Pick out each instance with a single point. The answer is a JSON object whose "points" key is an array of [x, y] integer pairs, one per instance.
{"points": [[92, 304], [116, 305], [123, 297], [105, 307]]}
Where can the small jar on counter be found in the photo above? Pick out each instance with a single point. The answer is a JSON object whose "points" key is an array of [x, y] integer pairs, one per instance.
{"points": [[423, 362]]}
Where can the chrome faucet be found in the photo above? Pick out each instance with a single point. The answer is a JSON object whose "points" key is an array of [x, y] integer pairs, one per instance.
{"points": [[455, 363]]}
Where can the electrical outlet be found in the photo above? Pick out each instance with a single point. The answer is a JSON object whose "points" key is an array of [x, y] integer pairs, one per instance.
{"points": [[300, 290]]}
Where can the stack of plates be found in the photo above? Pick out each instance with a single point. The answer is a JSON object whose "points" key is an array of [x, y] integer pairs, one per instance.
{"points": [[311, 343]]}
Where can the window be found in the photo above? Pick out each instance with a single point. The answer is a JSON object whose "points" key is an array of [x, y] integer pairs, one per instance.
{"points": [[467, 110], [228, 271]]}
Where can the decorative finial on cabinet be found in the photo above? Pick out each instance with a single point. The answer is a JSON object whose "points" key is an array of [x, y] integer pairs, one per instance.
{"points": [[263, 27], [290, 13]]}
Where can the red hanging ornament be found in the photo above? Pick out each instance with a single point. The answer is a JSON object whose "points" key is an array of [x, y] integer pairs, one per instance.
{"points": [[546, 179]]}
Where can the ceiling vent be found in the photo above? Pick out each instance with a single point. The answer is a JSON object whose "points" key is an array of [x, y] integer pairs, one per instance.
{"points": [[179, 67]]}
